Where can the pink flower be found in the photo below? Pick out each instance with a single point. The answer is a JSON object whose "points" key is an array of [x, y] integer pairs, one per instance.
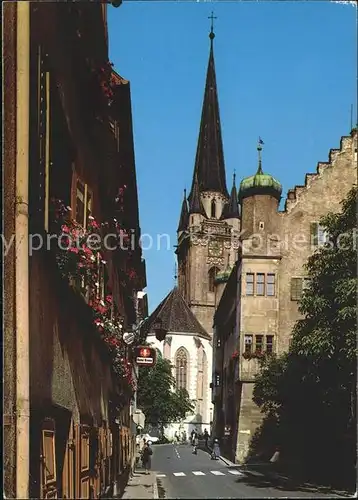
{"points": [[73, 250]]}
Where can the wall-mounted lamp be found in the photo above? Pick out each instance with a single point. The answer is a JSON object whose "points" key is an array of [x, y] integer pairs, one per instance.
{"points": [[160, 332]]}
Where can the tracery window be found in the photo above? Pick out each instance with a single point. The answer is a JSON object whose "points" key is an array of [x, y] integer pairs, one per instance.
{"points": [[181, 368]]}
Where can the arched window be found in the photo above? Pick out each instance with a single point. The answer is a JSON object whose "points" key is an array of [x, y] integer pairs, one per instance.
{"points": [[213, 208], [181, 369], [212, 275]]}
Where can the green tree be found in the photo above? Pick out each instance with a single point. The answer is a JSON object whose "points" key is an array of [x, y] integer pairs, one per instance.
{"points": [[311, 391], [157, 396]]}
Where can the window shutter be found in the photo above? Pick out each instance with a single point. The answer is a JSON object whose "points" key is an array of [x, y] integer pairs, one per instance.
{"points": [[314, 233]]}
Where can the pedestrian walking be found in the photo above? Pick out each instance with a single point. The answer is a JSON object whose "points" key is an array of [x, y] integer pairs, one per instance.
{"points": [[147, 457]]}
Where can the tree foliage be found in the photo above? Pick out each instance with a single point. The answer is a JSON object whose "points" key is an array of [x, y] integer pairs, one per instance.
{"points": [[310, 392], [157, 396]]}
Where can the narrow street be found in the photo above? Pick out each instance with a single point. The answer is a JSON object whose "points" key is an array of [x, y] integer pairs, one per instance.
{"points": [[180, 474]]}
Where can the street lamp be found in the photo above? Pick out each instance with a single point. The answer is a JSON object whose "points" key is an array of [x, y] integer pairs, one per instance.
{"points": [[160, 332]]}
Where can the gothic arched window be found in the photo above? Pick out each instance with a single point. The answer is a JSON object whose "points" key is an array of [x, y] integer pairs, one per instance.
{"points": [[212, 275], [213, 208], [181, 368]]}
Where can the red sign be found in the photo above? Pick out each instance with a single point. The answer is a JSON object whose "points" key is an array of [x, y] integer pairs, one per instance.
{"points": [[145, 356]]}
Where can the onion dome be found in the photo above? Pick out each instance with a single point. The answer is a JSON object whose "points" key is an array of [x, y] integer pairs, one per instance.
{"points": [[260, 183]]}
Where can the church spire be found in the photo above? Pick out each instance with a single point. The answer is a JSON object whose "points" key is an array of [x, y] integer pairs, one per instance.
{"points": [[195, 205], [231, 210], [209, 162], [184, 215]]}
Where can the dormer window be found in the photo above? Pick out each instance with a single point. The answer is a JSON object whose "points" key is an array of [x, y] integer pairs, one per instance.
{"points": [[213, 209]]}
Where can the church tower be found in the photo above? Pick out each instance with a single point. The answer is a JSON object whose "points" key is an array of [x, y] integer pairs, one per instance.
{"points": [[209, 216]]}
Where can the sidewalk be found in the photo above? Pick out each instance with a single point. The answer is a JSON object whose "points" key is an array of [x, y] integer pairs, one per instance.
{"points": [[141, 486], [223, 459]]}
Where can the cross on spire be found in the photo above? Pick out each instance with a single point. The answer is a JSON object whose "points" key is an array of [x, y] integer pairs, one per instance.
{"points": [[212, 34]]}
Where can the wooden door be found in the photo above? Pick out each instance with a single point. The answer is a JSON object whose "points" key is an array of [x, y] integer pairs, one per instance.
{"points": [[48, 460], [96, 462], [68, 475], [83, 463], [102, 448]]}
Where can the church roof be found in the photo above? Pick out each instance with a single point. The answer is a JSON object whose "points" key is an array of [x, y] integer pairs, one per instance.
{"points": [[209, 162], [175, 316], [184, 215], [231, 209]]}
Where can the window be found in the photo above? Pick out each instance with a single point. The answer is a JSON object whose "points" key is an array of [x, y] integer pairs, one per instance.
{"points": [[218, 343], [249, 283], [82, 202], [213, 208], [248, 343], [212, 275], [260, 284], [261, 225], [217, 380], [181, 368], [269, 344], [259, 340], [270, 285], [298, 286], [319, 235]]}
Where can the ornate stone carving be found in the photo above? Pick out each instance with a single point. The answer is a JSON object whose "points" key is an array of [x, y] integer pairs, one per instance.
{"points": [[216, 261]]}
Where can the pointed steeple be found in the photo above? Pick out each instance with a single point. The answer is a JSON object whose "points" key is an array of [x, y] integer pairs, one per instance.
{"points": [[195, 205], [184, 215], [231, 210], [209, 162]]}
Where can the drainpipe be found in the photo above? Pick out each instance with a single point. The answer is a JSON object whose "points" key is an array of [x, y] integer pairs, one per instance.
{"points": [[22, 252]]}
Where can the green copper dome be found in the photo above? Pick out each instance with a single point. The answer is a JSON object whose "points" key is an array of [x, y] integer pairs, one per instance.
{"points": [[260, 183], [223, 276]]}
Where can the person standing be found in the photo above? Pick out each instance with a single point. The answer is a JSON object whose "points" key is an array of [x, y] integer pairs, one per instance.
{"points": [[216, 450], [206, 437], [147, 457]]}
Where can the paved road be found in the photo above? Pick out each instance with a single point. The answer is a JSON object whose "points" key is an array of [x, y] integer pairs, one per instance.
{"points": [[180, 474]]}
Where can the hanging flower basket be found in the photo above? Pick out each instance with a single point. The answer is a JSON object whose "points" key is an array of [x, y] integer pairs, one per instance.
{"points": [[77, 261], [104, 85]]}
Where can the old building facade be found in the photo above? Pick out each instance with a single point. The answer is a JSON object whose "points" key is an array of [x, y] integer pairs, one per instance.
{"points": [[69, 173], [259, 305], [188, 347]]}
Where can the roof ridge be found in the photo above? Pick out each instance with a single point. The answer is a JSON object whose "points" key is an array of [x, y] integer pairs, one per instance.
{"points": [[175, 315]]}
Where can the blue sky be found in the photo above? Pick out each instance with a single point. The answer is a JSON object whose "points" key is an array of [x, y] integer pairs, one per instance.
{"points": [[286, 71]]}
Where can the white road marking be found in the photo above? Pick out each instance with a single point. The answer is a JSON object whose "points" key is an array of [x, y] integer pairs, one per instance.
{"points": [[198, 473], [217, 473], [236, 472], [180, 474], [161, 475]]}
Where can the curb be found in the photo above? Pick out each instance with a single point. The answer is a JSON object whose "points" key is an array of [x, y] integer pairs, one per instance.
{"points": [[155, 488], [223, 459]]}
